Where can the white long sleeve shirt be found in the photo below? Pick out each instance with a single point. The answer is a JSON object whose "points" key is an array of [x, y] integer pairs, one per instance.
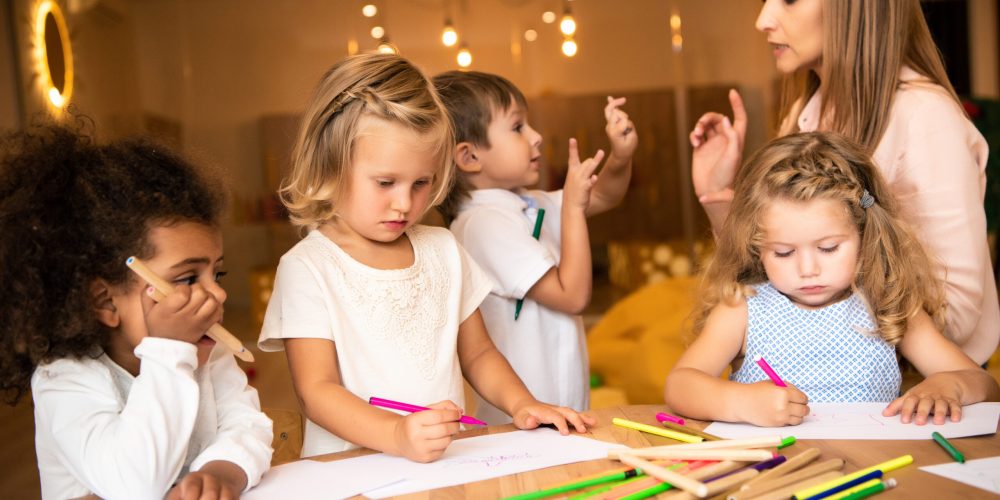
{"points": [[100, 430]]}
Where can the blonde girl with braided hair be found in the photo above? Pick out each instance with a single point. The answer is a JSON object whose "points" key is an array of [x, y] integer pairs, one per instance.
{"points": [[370, 303], [869, 69], [816, 273]]}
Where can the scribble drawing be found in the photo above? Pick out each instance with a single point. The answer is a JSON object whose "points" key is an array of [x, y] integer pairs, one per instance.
{"points": [[489, 461], [847, 420]]}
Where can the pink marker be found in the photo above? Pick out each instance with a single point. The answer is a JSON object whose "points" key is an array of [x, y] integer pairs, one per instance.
{"points": [[666, 417], [396, 405], [770, 372]]}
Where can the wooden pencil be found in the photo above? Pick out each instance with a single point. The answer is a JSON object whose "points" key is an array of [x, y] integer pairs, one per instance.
{"points": [[834, 464], [664, 452], [787, 491], [164, 288], [791, 465], [668, 476]]}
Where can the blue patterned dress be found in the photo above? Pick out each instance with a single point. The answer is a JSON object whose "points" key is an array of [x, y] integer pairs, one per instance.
{"points": [[827, 353]]}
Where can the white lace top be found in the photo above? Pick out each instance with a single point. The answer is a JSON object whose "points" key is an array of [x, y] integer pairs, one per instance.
{"points": [[396, 330]]}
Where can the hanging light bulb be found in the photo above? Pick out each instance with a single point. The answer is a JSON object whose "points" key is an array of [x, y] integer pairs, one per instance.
{"points": [[568, 24], [377, 32], [548, 17], [530, 35], [369, 10], [464, 57], [449, 37], [385, 47], [569, 47]]}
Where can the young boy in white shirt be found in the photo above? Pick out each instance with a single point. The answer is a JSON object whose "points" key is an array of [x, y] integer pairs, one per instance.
{"points": [[534, 244]]}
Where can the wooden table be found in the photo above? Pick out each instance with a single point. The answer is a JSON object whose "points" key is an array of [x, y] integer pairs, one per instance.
{"points": [[913, 483]]}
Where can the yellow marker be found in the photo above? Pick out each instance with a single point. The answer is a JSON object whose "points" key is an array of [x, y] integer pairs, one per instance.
{"points": [[891, 465], [659, 431]]}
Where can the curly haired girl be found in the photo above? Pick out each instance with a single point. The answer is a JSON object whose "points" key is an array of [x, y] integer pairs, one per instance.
{"points": [[815, 273], [129, 394]]}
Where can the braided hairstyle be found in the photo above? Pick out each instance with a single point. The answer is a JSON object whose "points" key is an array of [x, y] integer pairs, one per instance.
{"points": [[382, 86], [895, 275], [71, 212]]}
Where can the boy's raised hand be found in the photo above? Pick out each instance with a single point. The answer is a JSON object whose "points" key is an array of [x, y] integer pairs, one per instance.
{"points": [[424, 435], [768, 405], [534, 413], [620, 130], [580, 177]]}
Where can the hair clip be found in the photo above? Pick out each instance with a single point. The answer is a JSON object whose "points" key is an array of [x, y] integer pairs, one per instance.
{"points": [[867, 200]]}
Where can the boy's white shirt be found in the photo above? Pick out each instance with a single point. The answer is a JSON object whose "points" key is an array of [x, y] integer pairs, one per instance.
{"points": [[100, 430], [395, 330], [546, 348]]}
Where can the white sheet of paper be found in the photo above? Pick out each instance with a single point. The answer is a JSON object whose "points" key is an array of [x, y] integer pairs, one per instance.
{"points": [[982, 473], [865, 421], [495, 455], [308, 479]]}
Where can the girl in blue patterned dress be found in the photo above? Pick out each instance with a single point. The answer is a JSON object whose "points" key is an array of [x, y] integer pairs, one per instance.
{"points": [[816, 273]]}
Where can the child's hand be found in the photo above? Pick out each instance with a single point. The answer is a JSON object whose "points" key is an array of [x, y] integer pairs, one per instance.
{"points": [[202, 485], [620, 130], [938, 395], [718, 151], [768, 405], [424, 435], [186, 314], [534, 413], [580, 178]]}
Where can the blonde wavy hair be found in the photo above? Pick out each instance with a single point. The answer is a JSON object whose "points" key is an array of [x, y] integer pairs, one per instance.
{"points": [[894, 274], [383, 86], [865, 44]]}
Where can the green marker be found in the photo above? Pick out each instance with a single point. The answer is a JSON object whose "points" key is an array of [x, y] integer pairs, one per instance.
{"points": [[788, 441], [535, 234], [957, 455], [871, 490], [617, 476]]}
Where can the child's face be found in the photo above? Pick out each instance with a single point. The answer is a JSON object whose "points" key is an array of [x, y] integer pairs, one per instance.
{"points": [[390, 181], [810, 250], [512, 160], [184, 253]]}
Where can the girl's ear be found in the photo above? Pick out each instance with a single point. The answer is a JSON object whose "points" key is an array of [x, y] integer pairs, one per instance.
{"points": [[465, 158], [103, 305]]}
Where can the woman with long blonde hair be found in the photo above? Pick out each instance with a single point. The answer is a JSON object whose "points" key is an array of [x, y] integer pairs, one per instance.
{"points": [[816, 273], [868, 69]]}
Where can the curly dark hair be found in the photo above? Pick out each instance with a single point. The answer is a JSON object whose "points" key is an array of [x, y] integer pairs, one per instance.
{"points": [[71, 212]]}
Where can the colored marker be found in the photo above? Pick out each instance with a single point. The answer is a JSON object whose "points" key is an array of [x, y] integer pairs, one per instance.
{"points": [[875, 474], [887, 466], [957, 455], [874, 489], [534, 234], [617, 476], [666, 417], [691, 430], [396, 405], [788, 441], [773, 375], [667, 433]]}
